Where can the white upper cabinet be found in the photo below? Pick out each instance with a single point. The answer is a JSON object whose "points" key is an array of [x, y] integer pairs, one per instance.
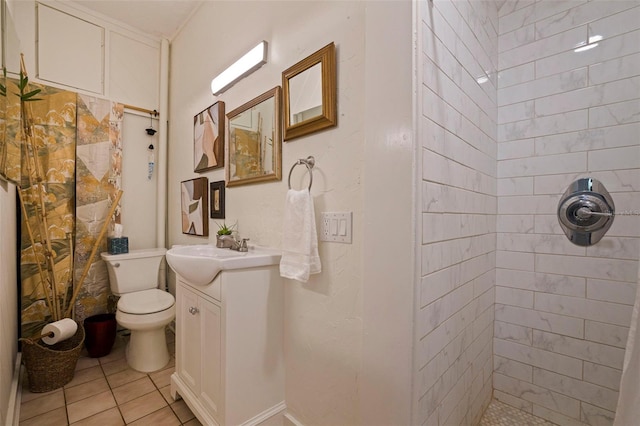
{"points": [[70, 50], [134, 71], [68, 46]]}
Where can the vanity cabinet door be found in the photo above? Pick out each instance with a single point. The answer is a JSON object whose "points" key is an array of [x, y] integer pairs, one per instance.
{"points": [[211, 386], [189, 323]]}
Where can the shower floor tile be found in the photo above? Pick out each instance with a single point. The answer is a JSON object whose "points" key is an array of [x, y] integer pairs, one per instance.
{"points": [[501, 414]]}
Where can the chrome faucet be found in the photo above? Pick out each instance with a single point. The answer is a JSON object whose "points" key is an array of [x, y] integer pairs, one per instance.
{"points": [[239, 245]]}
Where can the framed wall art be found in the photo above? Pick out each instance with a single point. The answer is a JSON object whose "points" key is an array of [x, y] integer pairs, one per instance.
{"points": [[208, 138], [254, 148], [194, 206], [310, 95], [217, 200]]}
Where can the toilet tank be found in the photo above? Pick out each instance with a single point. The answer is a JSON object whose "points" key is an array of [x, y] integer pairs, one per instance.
{"points": [[133, 271]]}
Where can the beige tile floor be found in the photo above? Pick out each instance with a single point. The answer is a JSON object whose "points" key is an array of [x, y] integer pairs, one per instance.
{"points": [[105, 392]]}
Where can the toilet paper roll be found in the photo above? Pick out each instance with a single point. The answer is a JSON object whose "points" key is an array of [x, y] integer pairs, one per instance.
{"points": [[62, 330]]}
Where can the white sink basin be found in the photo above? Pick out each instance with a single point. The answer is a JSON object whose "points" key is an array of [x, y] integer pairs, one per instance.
{"points": [[199, 264]]}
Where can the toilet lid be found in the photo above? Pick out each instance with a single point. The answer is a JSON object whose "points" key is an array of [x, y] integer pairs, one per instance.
{"points": [[145, 302]]}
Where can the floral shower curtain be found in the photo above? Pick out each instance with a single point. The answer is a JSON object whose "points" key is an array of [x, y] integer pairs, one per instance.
{"points": [[99, 174], [54, 134], [87, 195]]}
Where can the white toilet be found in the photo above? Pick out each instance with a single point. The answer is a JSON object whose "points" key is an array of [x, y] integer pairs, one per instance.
{"points": [[143, 308]]}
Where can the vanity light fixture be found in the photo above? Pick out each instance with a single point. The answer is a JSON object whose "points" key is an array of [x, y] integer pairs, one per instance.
{"points": [[593, 42], [241, 68]]}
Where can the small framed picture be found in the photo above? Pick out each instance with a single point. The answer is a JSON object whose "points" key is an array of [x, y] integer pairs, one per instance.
{"points": [[194, 205], [208, 138], [217, 199]]}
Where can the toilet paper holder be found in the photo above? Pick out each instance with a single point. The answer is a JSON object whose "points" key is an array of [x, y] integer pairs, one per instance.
{"points": [[586, 211]]}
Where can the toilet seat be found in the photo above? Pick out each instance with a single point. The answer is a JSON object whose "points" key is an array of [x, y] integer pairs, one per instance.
{"points": [[145, 302]]}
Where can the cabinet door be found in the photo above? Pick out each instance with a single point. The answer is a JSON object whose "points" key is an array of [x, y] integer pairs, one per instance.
{"points": [[189, 320], [70, 50], [211, 385]]}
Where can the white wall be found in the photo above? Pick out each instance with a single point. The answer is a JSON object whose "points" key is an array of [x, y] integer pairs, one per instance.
{"points": [[389, 217], [325, 380], [8, 273], [8, 294], [563, 311], [323, 319], [457, 132], [139, 194]]}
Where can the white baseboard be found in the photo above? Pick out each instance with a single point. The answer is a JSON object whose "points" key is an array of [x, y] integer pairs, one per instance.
{"points": [[15, 396], [292, 420], [266, 414]]}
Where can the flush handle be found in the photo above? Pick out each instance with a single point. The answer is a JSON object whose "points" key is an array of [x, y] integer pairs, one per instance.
{"points": [[116, 265]]}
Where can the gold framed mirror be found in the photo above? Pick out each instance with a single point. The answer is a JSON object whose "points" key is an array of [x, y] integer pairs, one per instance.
{"points": [[254, 148], [309, 90]]}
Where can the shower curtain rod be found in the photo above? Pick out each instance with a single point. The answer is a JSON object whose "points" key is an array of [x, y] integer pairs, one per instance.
{"points": [[155, 113]]}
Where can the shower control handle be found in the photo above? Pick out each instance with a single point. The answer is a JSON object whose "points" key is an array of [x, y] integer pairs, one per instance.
{"points": [[585, 212]]}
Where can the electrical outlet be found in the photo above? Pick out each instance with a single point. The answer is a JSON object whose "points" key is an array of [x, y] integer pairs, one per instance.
{"points": [[325, 227], [336, 227]]}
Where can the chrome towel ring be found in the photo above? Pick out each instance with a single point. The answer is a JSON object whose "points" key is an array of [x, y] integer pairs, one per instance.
{"points": [[309, 162]]}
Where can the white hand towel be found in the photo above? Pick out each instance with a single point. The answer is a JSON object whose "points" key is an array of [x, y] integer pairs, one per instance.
{"points": [[299, 237]]}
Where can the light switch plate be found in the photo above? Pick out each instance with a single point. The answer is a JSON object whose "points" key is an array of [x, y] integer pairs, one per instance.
{"points": [[336, 227]]}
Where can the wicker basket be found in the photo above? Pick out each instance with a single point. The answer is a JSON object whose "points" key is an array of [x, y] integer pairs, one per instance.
{"points": [[51, 367]]}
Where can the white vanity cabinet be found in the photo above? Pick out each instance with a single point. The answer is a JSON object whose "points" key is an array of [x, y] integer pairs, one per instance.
{"points": [[199, 349], [229, 347]]}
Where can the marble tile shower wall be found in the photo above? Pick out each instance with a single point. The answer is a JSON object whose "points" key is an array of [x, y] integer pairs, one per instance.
{"points": [[562, 312], [458, 122]]}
